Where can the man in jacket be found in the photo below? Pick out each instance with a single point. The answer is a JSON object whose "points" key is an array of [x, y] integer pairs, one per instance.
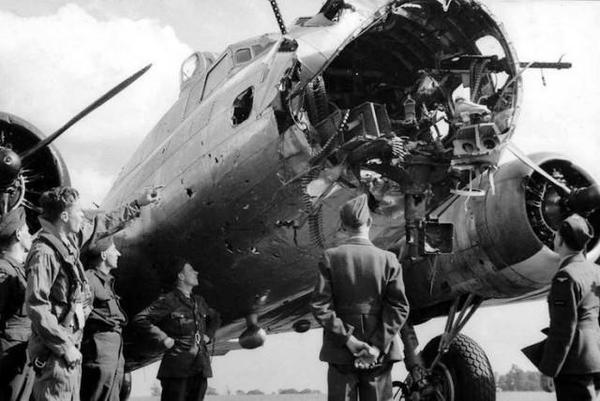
{"points": [[571, 353], [360, 302], [102, 346], [183, 324], [57, 296], [16, 376]]}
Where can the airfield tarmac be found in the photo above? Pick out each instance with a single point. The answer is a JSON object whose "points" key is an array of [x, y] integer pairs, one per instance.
{"points": [[501, 396]]}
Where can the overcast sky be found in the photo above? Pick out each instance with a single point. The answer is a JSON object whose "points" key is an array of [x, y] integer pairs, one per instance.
{"points": [[57, 56]]}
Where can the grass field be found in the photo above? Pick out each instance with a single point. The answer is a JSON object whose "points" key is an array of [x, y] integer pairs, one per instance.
{"points": [[505, 396]]}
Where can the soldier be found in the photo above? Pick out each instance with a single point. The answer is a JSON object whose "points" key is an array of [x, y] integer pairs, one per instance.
{"points": [[571, 353], [57, 289], [16, 376], [102, 346], [183, 324], [360, 302]]}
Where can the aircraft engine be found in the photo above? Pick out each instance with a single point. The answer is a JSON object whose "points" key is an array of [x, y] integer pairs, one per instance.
{"points": [[502, 234], [534, 209], [23, 181]]}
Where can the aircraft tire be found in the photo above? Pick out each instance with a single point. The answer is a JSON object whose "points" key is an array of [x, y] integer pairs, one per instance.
{"points": [[464, 372]]}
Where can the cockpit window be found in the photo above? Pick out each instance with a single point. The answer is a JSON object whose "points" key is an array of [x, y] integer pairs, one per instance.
{"points": [[243, 56], [217, 74], [189, 67], [261, 48]]}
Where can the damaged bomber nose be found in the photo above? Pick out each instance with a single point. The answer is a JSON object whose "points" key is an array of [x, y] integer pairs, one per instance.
{"points": [[414, 102], [424, 90], [410, 107]]}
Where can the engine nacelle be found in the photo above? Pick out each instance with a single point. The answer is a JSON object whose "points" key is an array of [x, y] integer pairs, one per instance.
{"points": [[37, 174], [502, 240]]}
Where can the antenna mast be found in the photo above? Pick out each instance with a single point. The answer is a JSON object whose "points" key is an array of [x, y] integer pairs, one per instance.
{"points": [[278, 17]]}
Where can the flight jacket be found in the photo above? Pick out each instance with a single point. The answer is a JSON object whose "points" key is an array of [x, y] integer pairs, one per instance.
{"points": [[57, 296], [179, 317], [14, 323]]}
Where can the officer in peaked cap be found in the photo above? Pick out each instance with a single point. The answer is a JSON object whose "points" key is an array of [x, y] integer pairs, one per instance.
{"points": [[16, 376], [360, 342], [570, 356]]}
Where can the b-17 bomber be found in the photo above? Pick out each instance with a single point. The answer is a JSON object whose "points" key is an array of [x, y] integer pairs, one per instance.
{"points": [[411, 102]]}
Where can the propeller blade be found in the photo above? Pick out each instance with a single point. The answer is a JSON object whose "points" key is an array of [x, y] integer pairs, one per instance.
{"points": [[525, 159], [100, 101]]}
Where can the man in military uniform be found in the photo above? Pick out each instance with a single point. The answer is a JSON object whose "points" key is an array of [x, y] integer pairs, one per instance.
{"points": [[102, 346], [360, 302], [183, 324], [16, 376], [571, 353], [57, 296]]}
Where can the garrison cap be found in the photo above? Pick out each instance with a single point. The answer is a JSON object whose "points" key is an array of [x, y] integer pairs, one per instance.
{"points": [[576, 231], [100, 245], [355, 212], [11, 222]]}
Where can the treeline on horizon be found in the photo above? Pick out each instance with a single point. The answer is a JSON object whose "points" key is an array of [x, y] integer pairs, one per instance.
{"points": [[519, 380], [516, 379], [155, 391], [280, 391]]}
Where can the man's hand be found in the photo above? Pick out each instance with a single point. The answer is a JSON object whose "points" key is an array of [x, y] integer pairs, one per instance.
{"points": [[356, 346], [168, 342], [72, 356], [367, 358], [150, 195], [547, 383]]}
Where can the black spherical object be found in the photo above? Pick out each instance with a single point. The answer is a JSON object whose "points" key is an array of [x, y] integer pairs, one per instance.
{"points": [[10, 166]]}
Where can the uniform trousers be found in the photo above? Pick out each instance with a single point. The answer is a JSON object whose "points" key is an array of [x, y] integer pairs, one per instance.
{"points": [[103, 367], [584, 387], [56, 381], [16, 375], [346, 383], [190, 388]]}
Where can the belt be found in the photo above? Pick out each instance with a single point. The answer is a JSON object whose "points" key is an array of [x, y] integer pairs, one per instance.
{"points": [[359, 309], [93, 333], [94, 326]]}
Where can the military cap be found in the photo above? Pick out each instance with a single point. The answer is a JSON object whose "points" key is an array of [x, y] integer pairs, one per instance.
{"points": [[100, 245], [576, 231], [11, 222], [355, 212]]}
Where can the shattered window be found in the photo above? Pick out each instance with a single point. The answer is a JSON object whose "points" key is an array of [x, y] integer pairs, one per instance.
{"points": [[489, 45], [242, 106]]}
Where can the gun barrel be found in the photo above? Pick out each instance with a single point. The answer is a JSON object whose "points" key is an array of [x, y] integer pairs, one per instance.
{"points": [[545, 65]]}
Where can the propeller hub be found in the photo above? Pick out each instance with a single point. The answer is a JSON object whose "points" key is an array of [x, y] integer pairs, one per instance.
{"points": [[585, 200], [10, 166]]}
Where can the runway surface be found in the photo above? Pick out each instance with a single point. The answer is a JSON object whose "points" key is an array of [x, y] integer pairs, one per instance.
{"points": [[502, 396]]}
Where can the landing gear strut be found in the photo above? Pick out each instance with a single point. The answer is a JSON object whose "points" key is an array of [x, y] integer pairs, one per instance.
{"points": [[453, 327], [451, 367]]}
